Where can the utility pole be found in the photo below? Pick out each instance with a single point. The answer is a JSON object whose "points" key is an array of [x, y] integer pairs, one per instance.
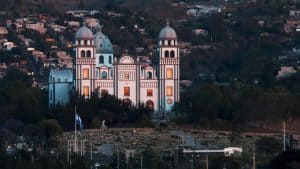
{"points": [[142, 161], [68, 156], [254, 162], [206, 159], [284, 136], [177, 158], [118, 163], [91, 151], [192, 163], [81, 148]]}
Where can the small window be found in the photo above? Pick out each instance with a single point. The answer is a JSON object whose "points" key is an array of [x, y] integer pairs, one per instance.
{"points": [[169, 42], [110, 60], [101, 59], [86, 73], [88, 54], [82, 53], [167, 54], [126, 76], [86, 91], [169, 91], [172, 54], [149, 92], [104, 75], [169, 73], [149, 75], [126, 91], [85, 42]]}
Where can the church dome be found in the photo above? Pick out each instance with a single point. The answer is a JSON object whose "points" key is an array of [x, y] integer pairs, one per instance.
{"points": [[102, 43], [84, 33], [167, 33]]}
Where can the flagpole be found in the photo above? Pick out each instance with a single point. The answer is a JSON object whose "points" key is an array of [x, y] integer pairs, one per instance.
{"points": [[75, 137]]}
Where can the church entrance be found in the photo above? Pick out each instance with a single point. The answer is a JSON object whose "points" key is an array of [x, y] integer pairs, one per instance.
{"points": [[150, 105], [127, 102]]}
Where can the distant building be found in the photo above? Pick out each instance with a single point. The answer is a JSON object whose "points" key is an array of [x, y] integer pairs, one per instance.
{"points": [[74, 24], [38, 26], [294, 13], [200, 32], [201, 10], [3, 32], [8, 45], [64, 60], [92, 23], [285, 71], [60, 86]]}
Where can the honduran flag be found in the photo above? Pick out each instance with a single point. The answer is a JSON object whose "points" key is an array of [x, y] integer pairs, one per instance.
{"points": [[79, 121]]}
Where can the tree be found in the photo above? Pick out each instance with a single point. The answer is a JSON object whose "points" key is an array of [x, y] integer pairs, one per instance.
{"points": [[50, 128], [268, 145], [286, 160]]}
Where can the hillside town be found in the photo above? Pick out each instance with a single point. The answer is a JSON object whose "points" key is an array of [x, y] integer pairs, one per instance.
{"points": [[155, 84]]}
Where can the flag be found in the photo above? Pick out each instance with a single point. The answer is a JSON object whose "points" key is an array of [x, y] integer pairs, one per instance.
{"points": [[78, 121]]}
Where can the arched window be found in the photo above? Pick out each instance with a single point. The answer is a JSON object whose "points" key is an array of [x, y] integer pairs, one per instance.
{"points": [[149, 75], [104, 75], [110, 60], [167, 54], [86, 73], [169, 73], [82, 53], [101, 59], [169, 90], [88, 54], [172, 54]]}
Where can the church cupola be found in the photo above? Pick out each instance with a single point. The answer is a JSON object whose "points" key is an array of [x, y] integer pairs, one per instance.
{"points": [[84, 36], [167, 36]]}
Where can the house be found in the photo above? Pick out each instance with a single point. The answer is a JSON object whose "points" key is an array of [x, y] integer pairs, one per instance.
{"points": [[92, 22], [285, 71], [64, 60], [200, 31], [3, 32], [201, 10], [37, 26], [74, 24], [294, 13], [8, 45]]}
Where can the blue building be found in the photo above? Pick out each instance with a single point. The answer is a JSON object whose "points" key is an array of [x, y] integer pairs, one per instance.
{"points": [[60, 86]]}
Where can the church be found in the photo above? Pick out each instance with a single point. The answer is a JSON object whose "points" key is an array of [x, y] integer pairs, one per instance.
{"points": [[96, 69]]}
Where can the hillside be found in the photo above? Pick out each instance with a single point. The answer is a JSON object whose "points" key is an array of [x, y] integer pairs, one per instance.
{"points": [[22, 7]]}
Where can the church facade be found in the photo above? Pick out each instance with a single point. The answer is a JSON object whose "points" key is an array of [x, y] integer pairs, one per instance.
{"points": [[96, 69]]}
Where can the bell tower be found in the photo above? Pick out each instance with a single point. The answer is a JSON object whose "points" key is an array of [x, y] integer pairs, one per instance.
{"points": [[85, 61], [169, 69]]}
